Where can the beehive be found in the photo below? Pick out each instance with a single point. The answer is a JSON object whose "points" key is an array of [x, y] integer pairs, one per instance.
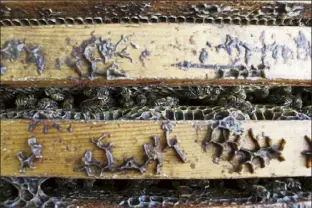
{"points": [[155, 103]]}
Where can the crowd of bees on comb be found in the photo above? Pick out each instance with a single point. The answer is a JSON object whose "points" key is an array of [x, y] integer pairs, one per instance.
{"points": [[254, 102], [51, 192], [247, 99]]}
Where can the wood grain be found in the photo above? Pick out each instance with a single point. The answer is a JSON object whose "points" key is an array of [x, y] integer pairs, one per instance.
{"points": [[64, 150], [169, 44]]}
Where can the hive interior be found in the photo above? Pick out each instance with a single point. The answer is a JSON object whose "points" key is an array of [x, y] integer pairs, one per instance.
{"points": [[153, 193], [158, 103]]}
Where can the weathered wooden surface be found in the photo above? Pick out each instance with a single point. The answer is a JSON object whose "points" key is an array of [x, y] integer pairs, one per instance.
{"points": [[169, 46], [63, 151]]}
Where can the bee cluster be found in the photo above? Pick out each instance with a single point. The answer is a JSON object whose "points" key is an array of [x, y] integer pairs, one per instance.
{"points": [[46, 192], [254, 102]]}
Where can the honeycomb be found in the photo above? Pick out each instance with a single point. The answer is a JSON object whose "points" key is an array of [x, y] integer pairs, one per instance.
{"points": [[280, 14], [59, 192], [156, 103]]}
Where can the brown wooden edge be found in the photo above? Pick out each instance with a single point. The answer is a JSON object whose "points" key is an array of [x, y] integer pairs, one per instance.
{"points": [[152, 82]]}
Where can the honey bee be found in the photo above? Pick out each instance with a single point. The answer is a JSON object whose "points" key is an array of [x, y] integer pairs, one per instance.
{"points": [[286, 90], [238, 103], [293, 184], [25, 101], [94, 105], [141, 100], [46, 103], [7, 94], [126, 99], [168, 101], [241, 95], [68, 103], [307, 110], [277, 186], [54, 94], [96, 92]]}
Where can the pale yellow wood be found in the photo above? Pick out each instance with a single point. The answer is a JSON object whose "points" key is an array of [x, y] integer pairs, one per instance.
{"points": [[168, 44], [63, 150]]}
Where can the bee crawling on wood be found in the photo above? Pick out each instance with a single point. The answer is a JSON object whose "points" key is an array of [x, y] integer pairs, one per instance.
{"points": [[23, 101]]}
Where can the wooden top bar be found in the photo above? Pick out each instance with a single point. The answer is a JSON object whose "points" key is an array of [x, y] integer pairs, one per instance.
{"points": [[173, 54], [63, 151]]}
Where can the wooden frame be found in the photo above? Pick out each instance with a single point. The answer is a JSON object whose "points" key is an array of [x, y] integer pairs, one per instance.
{"points": [[63, 151], [173, 58]]}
